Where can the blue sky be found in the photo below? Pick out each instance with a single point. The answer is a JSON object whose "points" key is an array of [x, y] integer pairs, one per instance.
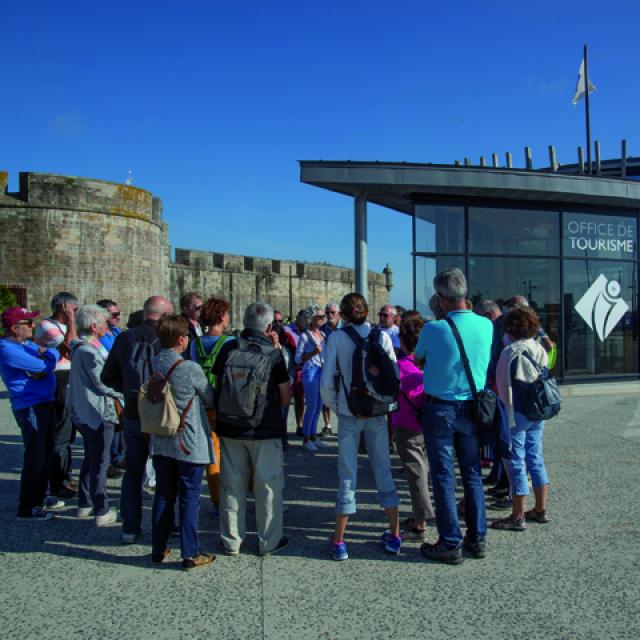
{"points": [[211, 103]]}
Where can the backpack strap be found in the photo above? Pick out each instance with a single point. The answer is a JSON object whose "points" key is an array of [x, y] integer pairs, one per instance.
{"points": [[200, 347], [416, 410], [463, 356]]}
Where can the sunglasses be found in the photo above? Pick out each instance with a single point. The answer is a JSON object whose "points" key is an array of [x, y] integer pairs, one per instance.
{"points": [[26, 323], [197, 307], [115, 315], [383, 315]]}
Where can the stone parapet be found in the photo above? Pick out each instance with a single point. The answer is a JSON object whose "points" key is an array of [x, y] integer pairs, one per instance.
{"points": [[50, 191]]}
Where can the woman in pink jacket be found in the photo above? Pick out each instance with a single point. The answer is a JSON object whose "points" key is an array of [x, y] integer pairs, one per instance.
{"points": [[408, 430]]}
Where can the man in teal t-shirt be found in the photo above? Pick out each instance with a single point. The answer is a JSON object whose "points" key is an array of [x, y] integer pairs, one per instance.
{"points": [[447, 419]]}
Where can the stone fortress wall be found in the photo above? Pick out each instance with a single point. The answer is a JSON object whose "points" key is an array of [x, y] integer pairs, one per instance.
{"points": [[102, 239]]}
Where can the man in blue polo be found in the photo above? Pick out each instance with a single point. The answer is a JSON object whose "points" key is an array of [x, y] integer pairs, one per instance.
{"points": [[447, 420]]}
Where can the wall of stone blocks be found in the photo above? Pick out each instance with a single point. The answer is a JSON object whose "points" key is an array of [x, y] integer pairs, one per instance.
{"points": [[92, 238], [287, 286]]}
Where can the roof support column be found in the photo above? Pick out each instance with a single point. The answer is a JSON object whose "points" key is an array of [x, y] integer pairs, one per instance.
{"points": [[360, 229]]}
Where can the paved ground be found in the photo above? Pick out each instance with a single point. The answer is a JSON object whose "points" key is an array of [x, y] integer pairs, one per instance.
{"points": [[577, 577]]}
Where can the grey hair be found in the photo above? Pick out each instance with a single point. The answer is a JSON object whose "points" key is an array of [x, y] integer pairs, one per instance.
{"points": [[486, 306], [451, 284], [258, 316], [517, 302], [64, 297], [329, 305], [436, 307], [89, 314]]}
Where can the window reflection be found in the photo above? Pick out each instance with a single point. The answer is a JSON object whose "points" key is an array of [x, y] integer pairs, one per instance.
{"points": [[600, 317], [513, 231], [439, 228], [426, 270]]}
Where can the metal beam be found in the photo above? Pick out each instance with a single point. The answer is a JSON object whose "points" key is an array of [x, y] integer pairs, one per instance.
{"points": [[360, 234]]}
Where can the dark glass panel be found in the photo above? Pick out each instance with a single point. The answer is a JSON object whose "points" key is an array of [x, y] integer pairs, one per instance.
{"points": [[499, 279], [439, 228], [513, 231], [600, 307], [426, 269]]}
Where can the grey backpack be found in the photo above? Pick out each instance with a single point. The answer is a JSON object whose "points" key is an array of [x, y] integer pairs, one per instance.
{"points": [[243, 393]]}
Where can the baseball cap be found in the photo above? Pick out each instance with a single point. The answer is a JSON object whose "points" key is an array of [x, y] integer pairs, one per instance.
{"points": [[13, 315]]}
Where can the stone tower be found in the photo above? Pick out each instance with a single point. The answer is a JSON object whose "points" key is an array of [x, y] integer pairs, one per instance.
{"points": [[93, 238]]}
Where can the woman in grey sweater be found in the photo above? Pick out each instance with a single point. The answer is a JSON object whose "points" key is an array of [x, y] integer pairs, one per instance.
{"points": [[180, 460], [93, 410]]}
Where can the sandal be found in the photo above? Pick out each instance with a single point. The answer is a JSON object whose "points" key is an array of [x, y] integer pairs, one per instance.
{"points": [[509, 524], [540, 517], [201, 560]]}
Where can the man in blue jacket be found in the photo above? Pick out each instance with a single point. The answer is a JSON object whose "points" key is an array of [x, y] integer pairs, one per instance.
{"points": [[27, 372]]}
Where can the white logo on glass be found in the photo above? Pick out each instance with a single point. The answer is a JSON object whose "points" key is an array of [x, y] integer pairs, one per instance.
{"points": [[601, 307]]}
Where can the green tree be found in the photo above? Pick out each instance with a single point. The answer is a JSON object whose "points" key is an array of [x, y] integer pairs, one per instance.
{"points": [[7, 299]]}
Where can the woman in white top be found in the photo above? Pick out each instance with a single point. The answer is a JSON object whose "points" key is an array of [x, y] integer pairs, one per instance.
{"points": [[517, 368], [309, 355]]}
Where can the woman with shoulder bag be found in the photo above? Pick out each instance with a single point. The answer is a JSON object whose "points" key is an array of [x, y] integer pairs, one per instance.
{"points": [[406, 422], [515, 372], [179, 461]]}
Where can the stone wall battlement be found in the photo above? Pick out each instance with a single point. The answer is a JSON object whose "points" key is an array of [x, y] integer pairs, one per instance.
{"points": [[212, 261], [71, 193]]}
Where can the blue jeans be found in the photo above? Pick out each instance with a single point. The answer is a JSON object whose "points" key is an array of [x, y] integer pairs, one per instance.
{"points": [[311, 383], [448, 427], [37, 425], [92, 485], [377, 439], [176, 479], [135, 461], [526, 455]]}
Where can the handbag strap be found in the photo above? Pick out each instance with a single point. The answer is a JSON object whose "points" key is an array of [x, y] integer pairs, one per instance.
{"points": [[183, 416], [416, 410], [463, 356]]}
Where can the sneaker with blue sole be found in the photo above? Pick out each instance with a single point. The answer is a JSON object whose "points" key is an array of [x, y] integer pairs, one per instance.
{"points": [[338, 550], [391, 543]]}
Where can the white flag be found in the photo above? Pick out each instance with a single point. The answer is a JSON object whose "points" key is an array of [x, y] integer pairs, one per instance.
{"points": [[580, 86]]}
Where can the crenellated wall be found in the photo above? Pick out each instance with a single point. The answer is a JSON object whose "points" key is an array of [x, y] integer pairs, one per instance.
{"points": [[288, 286]]}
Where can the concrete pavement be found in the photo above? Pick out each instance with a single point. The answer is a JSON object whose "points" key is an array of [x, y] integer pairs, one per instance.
{"points": [[577, 577]]}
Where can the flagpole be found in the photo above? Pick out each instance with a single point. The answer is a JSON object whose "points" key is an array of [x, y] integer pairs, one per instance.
{"points": [[586, 107]]}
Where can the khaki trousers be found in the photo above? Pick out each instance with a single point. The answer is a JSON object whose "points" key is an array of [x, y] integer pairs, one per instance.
{"points": [[239, 459]]}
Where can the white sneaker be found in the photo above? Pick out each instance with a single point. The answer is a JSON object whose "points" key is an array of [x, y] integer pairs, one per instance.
{"points": [[84, 512], [320, 444], [51, 503], [107, 518], [310, 446]]}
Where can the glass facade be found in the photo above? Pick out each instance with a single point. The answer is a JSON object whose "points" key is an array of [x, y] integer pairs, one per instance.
{"points": [[578, 269]]}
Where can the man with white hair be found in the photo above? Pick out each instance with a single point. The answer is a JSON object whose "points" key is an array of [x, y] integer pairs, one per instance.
{"points": [[127, 368], [251, 427], [447, 418]]}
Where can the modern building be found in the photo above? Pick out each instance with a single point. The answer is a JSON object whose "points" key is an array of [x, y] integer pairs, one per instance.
{"points": [[565, 238]]}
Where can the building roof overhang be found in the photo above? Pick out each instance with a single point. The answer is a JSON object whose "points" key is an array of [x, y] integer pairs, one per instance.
{"points": [[397, 185]]}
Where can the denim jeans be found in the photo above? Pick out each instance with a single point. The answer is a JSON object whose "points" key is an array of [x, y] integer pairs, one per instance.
{"points": [[311, 383], [37, 425], [526, 455], [135, 461], [92, 485], [377, 439], [182, 480], [448, 427]]}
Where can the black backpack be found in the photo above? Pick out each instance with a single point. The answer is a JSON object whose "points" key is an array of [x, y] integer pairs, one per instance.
{"points": [[541, 398], [375, 384], [243, 395], [137, 369]]}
